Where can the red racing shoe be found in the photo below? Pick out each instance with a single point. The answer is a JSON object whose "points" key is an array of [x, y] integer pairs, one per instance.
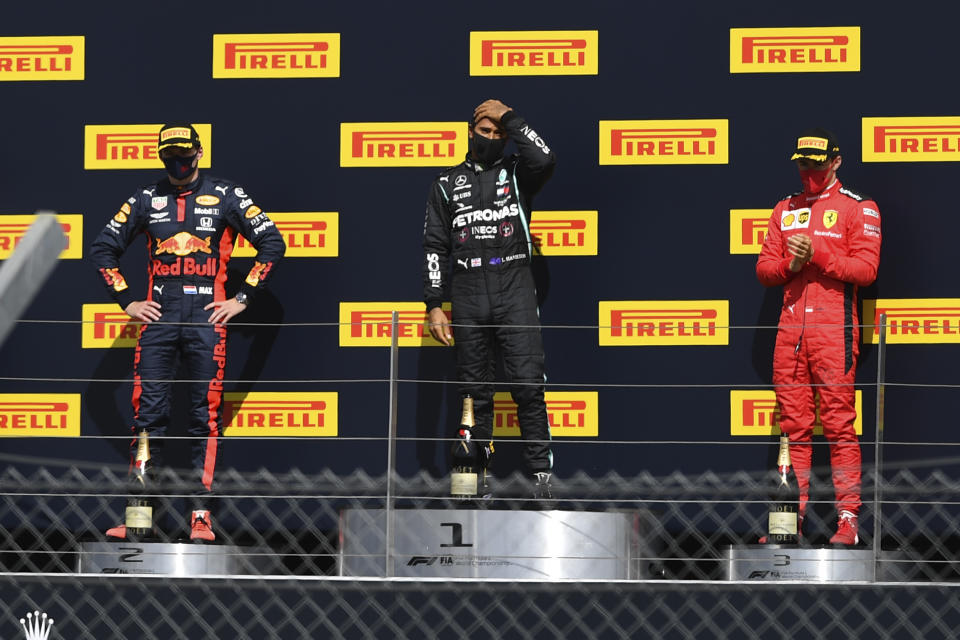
{"points": [[846, 529], [201, 528], [119, 531]]}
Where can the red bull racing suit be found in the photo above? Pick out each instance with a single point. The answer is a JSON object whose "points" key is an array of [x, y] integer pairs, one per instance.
{"points": [[190, 233], [818, 338]]}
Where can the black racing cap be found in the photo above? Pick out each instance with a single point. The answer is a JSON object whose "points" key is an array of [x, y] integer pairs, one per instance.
{"points": [[177, 134], [816, 144]]}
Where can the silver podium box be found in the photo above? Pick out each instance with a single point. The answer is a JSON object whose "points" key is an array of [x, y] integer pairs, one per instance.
{"points": [[480, 543], [174, 559], [773, 562]]}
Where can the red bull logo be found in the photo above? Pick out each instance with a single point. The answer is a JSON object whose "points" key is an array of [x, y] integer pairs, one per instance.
{"points": [[258, 273], [184, 266], [183, 244]]}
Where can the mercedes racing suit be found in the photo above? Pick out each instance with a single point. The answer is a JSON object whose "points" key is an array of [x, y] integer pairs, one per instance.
{"points": [[190, 233], [818, 337], [478, 226]]}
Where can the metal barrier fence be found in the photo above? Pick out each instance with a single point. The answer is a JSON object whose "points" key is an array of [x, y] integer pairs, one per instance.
{"points": [[288, 525]]}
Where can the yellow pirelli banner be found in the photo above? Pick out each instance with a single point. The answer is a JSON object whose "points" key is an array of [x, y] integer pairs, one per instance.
{"points": [[912, 320], [534, 53], [402, 144], [754, 412], [564, 233], [276, 55], [748, 228], [368, 324], [664, 142], [569, 413], [13, 228], [310, 234], [286, 413], [41, 58], [934, 139], [133, 146], [646, 323], [794, 49], [107, 326], [44, 415]]}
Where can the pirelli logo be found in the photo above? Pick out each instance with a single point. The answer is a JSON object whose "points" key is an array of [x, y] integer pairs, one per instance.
{"points": [[42, 58], [911, 139], [276, 55], [755, 412], [132, 146], [647, 323], [913, 321], [664, 141], [107, 326], [368, 324], [13, 228], [570, 414], [534, 53], [564, 233], [44, 415], [287, 413], [794, 49], [748, 228], [402, 144], [312, 234]]}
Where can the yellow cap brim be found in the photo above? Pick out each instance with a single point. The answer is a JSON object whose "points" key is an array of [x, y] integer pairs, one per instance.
{"points": [[816, 157], [186, 145]]}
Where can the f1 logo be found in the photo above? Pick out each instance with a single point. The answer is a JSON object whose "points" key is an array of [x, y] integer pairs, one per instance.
{"points": [[456, 535]]}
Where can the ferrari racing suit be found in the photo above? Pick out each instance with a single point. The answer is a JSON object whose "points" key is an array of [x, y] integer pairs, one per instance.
{"points": [[818, 337]]}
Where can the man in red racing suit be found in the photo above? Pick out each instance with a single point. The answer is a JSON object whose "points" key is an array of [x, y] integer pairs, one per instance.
{"points": [[821, 244]]}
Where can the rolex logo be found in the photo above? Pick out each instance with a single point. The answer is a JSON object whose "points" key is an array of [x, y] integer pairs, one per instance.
{"points": [[36, 626]]}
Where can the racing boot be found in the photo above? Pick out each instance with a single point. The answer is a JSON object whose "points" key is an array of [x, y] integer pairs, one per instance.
{"points": [[542, 490], [846, 529], [201, 527]]}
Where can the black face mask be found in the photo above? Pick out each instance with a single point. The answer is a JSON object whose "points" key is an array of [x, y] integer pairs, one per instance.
{"points": [[179, 167], [487, 151]]}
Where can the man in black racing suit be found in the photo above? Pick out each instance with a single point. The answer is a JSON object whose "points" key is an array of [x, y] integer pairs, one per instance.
{"points": [[477, 252], [190, 222]]}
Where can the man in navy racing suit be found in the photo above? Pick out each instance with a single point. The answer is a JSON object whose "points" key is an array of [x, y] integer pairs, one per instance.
{"points": [[477, 252], [190, 222]]}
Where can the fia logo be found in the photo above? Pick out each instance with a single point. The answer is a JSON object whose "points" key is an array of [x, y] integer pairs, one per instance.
{"points": [[36, 626]]}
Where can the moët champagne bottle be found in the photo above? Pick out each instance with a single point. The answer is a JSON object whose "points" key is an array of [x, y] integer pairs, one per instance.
{"points": [[465, 473], [783, 521], [139, 513]]}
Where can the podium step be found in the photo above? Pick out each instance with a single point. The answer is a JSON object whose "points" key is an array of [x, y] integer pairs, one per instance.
{"points": [[486, 543], [174, 559], [772, 563]]}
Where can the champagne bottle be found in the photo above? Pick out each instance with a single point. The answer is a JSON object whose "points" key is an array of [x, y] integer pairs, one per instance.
{"points": [[464, 477], [783, 521], [139, 513]]}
